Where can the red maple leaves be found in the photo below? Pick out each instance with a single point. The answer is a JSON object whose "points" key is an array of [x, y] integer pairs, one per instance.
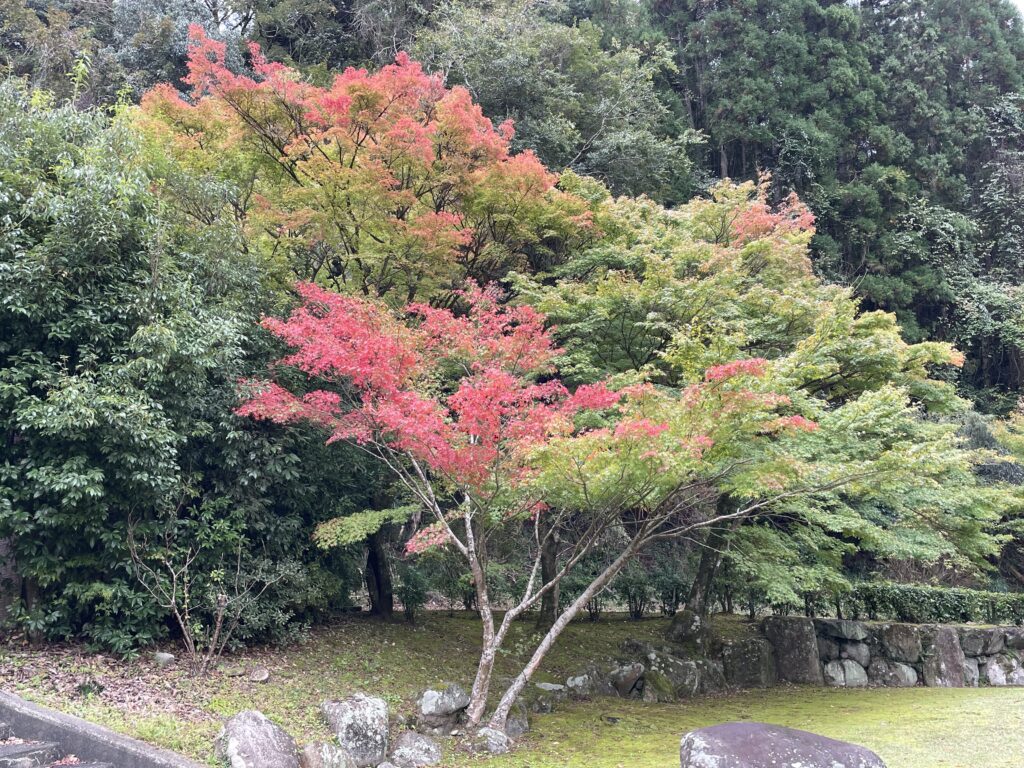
{"points": [[390, 382]]}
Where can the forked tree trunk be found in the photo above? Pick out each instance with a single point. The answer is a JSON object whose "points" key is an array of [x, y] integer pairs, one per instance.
{"points": [[500, 717], [699, 600], [489, 647]]}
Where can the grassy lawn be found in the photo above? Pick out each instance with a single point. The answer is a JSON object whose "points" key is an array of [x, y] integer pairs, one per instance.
{"points": [[915, 728]]}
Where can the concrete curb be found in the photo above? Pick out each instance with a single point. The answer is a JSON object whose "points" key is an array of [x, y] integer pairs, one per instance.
{"points": [[86, 740]]}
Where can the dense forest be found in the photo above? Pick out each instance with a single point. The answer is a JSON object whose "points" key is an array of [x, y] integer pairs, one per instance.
{"points": [[526, 304]]}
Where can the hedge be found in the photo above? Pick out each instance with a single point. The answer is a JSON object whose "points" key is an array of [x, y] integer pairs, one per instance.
{"points": [[919, 604]]}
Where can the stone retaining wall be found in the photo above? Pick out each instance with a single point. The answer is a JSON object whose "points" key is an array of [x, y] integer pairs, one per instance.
{"points": [[829, 652], [855, 654]]}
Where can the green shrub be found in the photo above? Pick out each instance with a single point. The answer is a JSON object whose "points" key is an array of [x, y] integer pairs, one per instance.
{"points": [[413, 590], [918, 604], [633, 587]]}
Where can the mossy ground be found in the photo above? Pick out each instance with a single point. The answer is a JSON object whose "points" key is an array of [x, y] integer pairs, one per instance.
{"points": [[915, 728]]}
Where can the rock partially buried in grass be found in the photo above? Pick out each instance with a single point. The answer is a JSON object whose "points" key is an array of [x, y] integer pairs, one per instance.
{"points": [[259, 675], [361, 724], [250, 740], [441, 711], [163, 659], [491, 740], [759, 745], [414, 750], [324, 755]]}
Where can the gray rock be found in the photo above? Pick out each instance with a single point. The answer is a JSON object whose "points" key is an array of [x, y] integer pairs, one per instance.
{"points": [[900, 642], [545, 697], [841, 629], [452, 699], [834, 674], [689, 628], [580, 686], [592, 680], [250, 740], [324, 755], [414, 750], [441, 711], [712, 675], [749, 663], [1014, 638], [892, 674], [492, 740], [259, 675], [163, 659], [625, 678], [1003, 669], [845, 673], [943, 659], [858, 652], [795, 647], [518, 722], [361, 724], [854, 673], [668, 678], [828, 648], [758, 745], [553, 688], [972, 672], [982, 642]]}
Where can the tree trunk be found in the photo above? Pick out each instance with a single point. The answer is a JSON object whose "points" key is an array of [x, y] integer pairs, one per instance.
{"points": [[378, 578], [699, 600], [489, 647], [508, 699], [548, 571]]}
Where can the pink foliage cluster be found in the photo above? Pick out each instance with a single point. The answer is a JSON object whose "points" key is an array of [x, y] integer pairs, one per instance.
{"points": [[754, 366], [497, 410]]}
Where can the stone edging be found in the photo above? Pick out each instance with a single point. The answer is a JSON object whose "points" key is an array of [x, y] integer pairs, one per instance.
{"points": [[86, 740]]}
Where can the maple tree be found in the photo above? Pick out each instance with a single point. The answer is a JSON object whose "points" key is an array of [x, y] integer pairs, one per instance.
{"points": [[467, 411], [381, 183]]}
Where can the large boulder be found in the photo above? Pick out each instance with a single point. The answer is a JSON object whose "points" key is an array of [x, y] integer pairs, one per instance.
{"points": [[972, 672], [892, 674], [856, 651], [749, 663], [414, 750], [828, 648], [1003, 669], [250, 740], [795, 646], [846, 673], [759, 745], [625, 679], [361, 724], [1014, 638], [441, 710], [712, 675], [592, 680], [668, 678], [900, 642], [943, 658], [982, 642], [324, 755], [690, 629], [841, 629]]}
